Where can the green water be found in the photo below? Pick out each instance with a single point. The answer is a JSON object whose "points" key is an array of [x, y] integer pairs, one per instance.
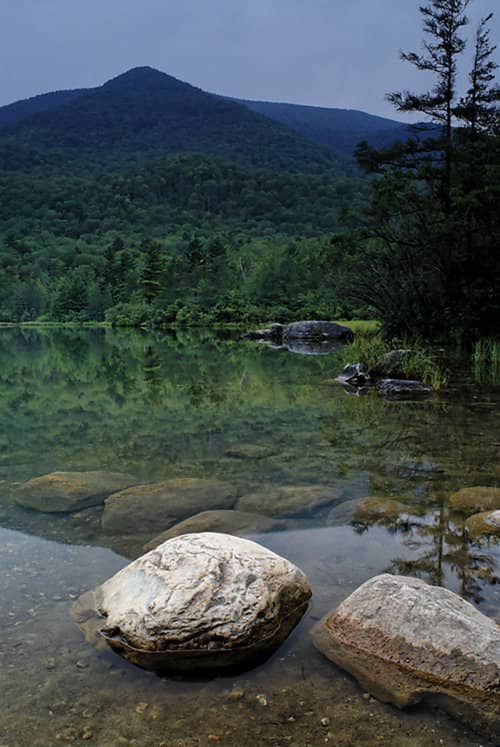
{"points": [[173, 406]]}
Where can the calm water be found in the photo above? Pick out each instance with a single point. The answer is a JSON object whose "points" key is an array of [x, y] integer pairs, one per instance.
{"points": [[172, 406]]}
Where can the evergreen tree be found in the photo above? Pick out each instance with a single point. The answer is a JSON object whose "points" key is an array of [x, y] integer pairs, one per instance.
{"points": [[430, 260], [152, 270]]}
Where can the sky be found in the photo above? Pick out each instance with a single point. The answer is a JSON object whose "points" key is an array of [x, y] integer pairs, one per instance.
{"points": [[338, 53]]}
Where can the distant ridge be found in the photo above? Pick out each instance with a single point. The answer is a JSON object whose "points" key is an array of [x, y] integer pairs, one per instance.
{"points": [[338, 129], [146, 112]]}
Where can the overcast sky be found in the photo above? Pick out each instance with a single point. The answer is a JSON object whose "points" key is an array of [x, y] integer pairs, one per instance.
{"points": [[341, 53]]}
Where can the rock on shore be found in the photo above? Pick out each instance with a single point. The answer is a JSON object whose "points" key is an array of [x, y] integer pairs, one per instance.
{"points": [[201, 601], [406, 641]]}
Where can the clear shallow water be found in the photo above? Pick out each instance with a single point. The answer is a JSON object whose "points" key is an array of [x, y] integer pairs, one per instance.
{"points": [[159, 408]]}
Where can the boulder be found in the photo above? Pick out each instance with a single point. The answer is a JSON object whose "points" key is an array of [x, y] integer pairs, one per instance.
{"points": [[312, 347], [274, 333], [289, 500], [225, 522], [65, 492], [392, 364], [368, 510], [147, 509], [355, 374], [201, 602], [486, 524], [406, 641], [317, 330], [402, 388], [474, 500]]}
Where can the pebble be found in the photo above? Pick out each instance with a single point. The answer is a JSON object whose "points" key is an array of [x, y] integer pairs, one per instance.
{"points": [[50, 664], [261, 700], [141, 707], [325, 721], [235, 694], [82, 664], [87, 734]]}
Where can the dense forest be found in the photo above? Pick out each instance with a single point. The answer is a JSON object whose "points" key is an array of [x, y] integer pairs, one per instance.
{"points": [[149, 201]]}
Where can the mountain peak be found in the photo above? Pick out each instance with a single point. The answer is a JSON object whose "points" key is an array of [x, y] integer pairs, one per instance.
{"points": [[144, 77]]}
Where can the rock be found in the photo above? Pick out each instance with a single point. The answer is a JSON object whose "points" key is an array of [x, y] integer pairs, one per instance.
{"points": [[342, 513], [405, 641], [312, 346], [316, 330], [226, 522], [201, 602], [249, 451], [157, 506], [402, 388], [486, 524], [70, 491], [274, 333], [392, 364], [288, 500], [368, 510], [474, 500], [355, 374]]}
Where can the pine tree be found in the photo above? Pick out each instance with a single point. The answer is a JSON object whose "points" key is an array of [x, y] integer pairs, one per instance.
{"points": [[478, 109]]}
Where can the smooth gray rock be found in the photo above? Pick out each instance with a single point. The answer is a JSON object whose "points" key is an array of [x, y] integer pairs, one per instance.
{"points": [[200, 601], [406, 641], [157, 506], [402, 388], [288, 500], [65, 492], [316, 330]]}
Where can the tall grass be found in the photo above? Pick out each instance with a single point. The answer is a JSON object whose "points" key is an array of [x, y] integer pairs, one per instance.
{"points": [[421, 363], [486, 360]]}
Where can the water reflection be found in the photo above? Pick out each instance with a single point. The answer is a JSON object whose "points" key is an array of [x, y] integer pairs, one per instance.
{"points": [[161, 407]]}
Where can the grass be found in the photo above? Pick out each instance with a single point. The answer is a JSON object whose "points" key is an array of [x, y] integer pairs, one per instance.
{"points": [[366, 327], [486, 360], [422, 363]]}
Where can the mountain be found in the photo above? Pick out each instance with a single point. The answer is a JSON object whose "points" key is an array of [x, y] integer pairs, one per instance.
{"points": [[338, 129], [19, 110], [144, 115]]}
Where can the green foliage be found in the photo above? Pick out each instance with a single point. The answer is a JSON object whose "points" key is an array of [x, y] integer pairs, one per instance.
{"points": [[486, 360], [430, 262]]}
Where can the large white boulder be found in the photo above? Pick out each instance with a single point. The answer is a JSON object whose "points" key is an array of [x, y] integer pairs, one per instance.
{"points": [[405, 641], [201, 601]]}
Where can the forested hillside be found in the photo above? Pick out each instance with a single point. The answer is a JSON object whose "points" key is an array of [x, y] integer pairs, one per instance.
{"points": [[142, 189]]}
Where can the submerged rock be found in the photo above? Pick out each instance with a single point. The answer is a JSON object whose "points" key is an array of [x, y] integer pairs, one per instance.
{"points": [[316, 330], [402, 388], [405, 641], [368, 510], [71, 491], [475, 500], [486, 524], [249, 451], [289, 500], [226, 522], [201, 602], [157, 506]]}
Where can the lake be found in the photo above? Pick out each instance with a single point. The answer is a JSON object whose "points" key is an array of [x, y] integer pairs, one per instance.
{"points": [[186, 405]]}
